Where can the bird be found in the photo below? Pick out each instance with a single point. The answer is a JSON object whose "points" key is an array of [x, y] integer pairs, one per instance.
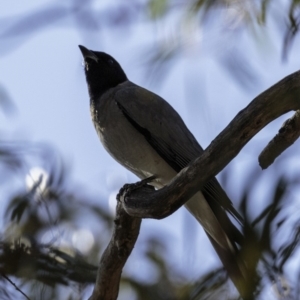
{"points": [[145, 134]]}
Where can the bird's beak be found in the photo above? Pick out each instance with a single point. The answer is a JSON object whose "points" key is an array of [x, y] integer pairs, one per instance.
{"points": [[86, 53]]}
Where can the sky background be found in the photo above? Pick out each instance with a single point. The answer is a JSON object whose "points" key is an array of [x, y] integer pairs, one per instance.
{"points": [[43, 74]]}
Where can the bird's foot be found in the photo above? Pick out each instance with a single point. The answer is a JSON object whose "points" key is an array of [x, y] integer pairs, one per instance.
{"points": [[130, 187]]}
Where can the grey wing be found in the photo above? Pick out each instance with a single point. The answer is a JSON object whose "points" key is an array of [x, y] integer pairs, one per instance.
{"points": [[161, 125], [166, 132]]}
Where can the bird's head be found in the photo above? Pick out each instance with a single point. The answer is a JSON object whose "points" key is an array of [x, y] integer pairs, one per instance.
{"points": [[102, 72]]}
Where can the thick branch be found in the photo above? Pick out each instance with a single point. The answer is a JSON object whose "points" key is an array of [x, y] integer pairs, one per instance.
{"points": [[126, 231], [282, 97], [287, 135]]}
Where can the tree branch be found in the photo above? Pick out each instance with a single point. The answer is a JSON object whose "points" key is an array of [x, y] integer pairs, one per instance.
{"points": [[126, 231], [15, 286], [287, 135]]}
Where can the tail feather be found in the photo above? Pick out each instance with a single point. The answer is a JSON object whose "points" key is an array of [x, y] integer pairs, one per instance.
{"points": [[224, 236], [234, 266]]}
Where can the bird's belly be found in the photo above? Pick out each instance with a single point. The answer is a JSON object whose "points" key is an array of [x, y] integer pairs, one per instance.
{"points": [[130, 148]]}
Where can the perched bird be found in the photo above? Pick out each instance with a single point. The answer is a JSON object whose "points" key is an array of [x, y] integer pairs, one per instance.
{"points": [[147, 136]]}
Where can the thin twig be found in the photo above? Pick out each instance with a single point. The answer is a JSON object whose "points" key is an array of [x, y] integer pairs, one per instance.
{"points": [[13, 284]]}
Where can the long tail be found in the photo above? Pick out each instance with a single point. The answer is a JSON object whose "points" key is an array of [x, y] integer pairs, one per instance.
{"points": [[234, 266], [224, 237]]}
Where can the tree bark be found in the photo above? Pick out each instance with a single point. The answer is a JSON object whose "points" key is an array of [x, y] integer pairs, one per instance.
{"points": [[126, 231], [287, 135]]}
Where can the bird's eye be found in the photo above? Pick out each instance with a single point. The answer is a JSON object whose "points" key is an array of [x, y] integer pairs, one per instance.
{"points": [[110, 62]]}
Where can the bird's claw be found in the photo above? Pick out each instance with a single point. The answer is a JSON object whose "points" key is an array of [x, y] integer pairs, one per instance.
{"points": [[129, 187]]}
